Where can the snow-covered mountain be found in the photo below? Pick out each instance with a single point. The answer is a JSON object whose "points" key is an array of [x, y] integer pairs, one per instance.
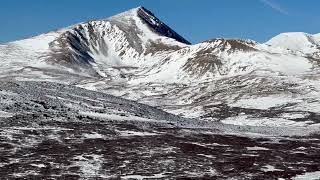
{"points": [[129, 98], [296, 41], [136, 56], [97, 48]]}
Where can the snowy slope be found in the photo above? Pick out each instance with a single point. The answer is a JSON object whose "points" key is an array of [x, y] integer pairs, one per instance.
{"points": [[117, 46], [296, 42], [26, 52], [137, 46], [103, 48], [222, 58]]}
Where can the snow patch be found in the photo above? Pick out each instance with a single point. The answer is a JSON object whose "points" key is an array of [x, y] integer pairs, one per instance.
{"points": [[269, 168], [263, 102], [308, 176], [207, 156], [264, 121], [136, 133], [93, 136], [38, 165], [5, 114], [256, 148], [141, 177], [294, 115], [116, 117], [89, 167]]}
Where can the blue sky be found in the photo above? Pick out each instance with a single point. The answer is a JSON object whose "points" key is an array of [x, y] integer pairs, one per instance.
{"points": [[196, 20]]}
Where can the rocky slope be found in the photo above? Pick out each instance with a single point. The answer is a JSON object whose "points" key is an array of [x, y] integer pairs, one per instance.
{"points": [[65, 132]]}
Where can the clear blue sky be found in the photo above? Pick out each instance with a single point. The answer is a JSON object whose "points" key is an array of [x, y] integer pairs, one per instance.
{"points": [[196, 20]]}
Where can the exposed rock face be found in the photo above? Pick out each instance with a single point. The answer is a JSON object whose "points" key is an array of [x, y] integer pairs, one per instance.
{"points": [[159, 27]]}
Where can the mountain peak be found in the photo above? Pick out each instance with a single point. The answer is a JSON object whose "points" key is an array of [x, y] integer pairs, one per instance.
{"points": [[295, 41], [142, 8], [150, 20], [128, 13]]}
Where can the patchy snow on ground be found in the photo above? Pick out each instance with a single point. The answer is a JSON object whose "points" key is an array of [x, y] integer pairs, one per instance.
{"points": [[38, 165], [209, 172], [93, 136], [270, 168], [135, 133], [90, 165], [141, 177], [245, 120], [116, 117], [294, 115], [207, 156], [263, 102], [255, 148], [308, 176], [5, 114], [27, 173]]}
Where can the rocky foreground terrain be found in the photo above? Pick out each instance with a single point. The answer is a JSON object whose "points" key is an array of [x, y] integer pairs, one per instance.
{"points": [[129, 98], [51, 131]]}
